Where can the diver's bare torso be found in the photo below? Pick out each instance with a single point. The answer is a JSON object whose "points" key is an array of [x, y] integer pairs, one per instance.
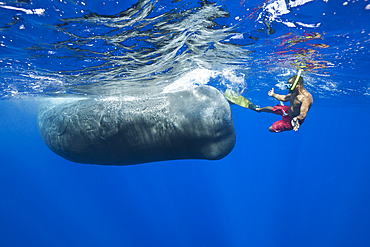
{"points": [[296, 100]]}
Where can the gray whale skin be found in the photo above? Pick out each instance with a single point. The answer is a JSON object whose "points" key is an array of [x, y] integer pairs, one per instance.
{"points": [[195, 123]]}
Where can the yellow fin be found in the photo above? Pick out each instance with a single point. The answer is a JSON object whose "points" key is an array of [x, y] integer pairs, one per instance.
{"points": [[236, 99]]}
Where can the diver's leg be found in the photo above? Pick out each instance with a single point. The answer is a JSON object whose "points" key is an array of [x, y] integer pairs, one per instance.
{"points": [[267, 109]]}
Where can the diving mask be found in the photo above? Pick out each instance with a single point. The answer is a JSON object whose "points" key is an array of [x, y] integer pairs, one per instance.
{"points": [[294, 84]]}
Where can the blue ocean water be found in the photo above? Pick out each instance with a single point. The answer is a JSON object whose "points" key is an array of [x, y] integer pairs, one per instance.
{"points": [[305, 188]]}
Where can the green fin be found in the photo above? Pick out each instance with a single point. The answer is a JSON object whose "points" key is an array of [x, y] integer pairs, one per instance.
{"points": [[237, 99]]}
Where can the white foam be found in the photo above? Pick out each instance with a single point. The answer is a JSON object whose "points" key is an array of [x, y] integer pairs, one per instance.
{"points": [[279, 8], [191, 79], [27, 11], [230, 77], [227, 77], [288, 24], [237, 36], [298, 3], [309, 25]]}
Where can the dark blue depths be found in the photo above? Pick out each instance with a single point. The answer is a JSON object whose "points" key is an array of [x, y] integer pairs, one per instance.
{"points": [[308, 188]]}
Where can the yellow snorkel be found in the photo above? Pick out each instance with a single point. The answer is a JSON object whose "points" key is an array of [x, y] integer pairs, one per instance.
{"points": [[296, 80]]}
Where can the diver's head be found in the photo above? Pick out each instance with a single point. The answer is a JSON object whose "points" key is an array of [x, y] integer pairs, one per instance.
{"points": [[294, 81]]}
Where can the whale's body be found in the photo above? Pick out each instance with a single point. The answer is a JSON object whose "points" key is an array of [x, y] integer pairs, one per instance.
{"points": [[191, 124]]}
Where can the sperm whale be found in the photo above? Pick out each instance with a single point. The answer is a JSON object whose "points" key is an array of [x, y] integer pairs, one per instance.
{"points": [[194, 123]]}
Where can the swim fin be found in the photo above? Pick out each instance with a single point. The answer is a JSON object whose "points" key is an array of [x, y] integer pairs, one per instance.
{"points": [[239, 100]]}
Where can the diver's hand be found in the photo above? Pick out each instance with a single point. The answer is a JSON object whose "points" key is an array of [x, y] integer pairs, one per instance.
{"points": [[271, 92], [295, 124]]}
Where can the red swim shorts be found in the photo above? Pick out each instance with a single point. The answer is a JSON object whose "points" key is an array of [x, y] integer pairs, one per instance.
{"points": [[285, 123]]}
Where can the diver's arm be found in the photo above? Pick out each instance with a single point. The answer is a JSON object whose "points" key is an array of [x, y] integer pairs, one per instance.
{"points": [[303, 113], [283, 98], [305, 106], [304, 109]]}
